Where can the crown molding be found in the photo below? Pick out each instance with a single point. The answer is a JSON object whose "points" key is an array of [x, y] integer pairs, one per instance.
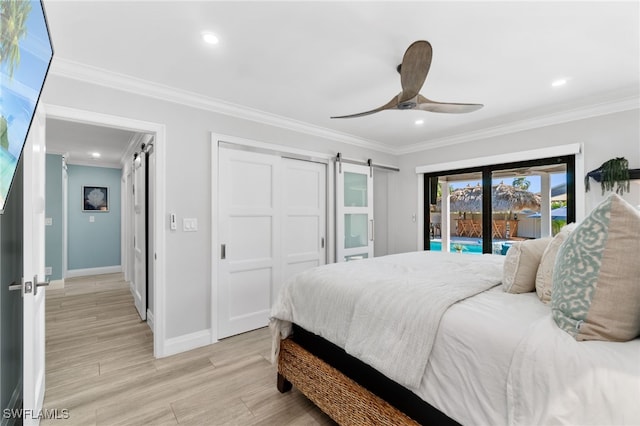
{"points": [[594, 110], [94, 75]]}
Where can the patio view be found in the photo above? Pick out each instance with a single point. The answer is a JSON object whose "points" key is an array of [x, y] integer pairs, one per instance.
{"points": [[525, 204]]}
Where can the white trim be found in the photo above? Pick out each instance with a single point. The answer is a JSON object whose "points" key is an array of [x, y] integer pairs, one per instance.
{"points": [[420, 213], [625, 103], [576, 149], [102, 77], [112, 80], [159, 131], [73, 273], [215, 242], [186, 342], [509, 157], [270, 147]]}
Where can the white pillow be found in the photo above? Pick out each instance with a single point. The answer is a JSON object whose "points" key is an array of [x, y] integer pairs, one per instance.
{"points": [[521, 265], [544, 276]]}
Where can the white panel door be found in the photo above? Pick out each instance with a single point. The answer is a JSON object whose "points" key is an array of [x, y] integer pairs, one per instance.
{"points": [[33, 251], [249, 226], [354, 212], [139, 283], [304, 216]]}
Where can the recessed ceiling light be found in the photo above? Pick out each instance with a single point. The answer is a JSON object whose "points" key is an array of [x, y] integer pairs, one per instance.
{"points": [[210, 38], [559, 82], [95, 154], [419, 122]]}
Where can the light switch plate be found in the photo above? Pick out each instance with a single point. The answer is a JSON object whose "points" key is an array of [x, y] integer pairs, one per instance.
{"points": [[48, 270], [92, 218], [189, 224], [48, 221]]}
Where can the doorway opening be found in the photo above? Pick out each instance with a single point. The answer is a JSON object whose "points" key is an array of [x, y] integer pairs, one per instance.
{"points": [[157, 178]]}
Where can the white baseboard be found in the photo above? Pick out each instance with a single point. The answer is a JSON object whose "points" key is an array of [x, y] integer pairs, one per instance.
{"points": [[176, 345], [72, 273], [56, 284], [150, 320], [15, 403]]}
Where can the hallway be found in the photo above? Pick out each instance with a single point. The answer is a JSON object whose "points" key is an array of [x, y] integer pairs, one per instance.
{"points": [[100, 367]]}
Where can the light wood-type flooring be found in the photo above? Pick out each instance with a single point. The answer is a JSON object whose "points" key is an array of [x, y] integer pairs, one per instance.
{"points": [[100, 367]]}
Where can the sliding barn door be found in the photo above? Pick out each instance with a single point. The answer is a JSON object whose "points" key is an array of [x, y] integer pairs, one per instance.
{"points": [[249, 194], [139, 283], [272, 225], [355, 226], [304, 216]]}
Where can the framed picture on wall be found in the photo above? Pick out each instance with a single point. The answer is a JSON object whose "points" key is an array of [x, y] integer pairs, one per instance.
{"points": [[95, 198]]}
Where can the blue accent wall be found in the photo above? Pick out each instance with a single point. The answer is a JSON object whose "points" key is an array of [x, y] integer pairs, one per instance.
{"points": [[53, 209], [93, 244]]}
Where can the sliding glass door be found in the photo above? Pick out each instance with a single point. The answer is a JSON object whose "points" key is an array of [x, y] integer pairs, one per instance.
{"points": [[486, 209]]}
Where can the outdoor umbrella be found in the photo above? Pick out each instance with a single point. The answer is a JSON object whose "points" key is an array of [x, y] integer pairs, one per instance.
{"points": [[504, 198]]}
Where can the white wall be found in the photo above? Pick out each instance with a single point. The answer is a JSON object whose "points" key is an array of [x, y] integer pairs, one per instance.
{"points": [[604, 137], [188, 176]]}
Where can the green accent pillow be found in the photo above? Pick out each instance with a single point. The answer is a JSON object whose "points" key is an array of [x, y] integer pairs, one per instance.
{"points": [[596, 278]]}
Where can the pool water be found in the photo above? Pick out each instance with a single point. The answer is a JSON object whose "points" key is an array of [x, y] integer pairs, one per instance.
{"points": [[469, 247]]}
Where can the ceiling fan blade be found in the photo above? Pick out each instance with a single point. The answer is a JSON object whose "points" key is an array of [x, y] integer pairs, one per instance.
{"points": [[392, 104], [414, 68], [425, 104]]}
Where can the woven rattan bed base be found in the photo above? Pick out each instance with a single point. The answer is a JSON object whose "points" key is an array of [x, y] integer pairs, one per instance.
{"points": [[341, 398]]}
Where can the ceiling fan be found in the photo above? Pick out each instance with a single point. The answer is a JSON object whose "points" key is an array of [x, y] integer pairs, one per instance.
{"points": [[413, 71]]}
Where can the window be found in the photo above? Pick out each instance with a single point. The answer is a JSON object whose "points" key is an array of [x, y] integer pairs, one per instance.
{"points": [[527, 199]]}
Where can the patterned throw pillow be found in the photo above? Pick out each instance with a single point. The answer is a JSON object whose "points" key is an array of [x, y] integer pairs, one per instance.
{"points": [[521, 264], [596, 278], [544, 276]]}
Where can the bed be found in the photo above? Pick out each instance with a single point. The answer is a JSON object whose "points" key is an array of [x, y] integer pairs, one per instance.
{"points": [[434, 338], [447, 338]]}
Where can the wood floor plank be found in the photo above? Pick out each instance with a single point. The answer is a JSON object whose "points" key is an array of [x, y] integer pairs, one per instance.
{"points": [[100, 367]]}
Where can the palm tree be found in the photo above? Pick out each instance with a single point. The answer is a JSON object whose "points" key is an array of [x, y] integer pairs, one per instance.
{"points": [[521, 182], [12, 29]]}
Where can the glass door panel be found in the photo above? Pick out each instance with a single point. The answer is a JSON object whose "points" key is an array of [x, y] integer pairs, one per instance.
{"points": [[355, 189], [354, 218], [356, 232]]}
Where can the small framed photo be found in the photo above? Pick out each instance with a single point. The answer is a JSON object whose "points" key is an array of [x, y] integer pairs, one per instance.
{"points": [[95, 198]]}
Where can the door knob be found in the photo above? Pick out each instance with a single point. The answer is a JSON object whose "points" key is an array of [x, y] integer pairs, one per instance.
{"points": [[37, 284]]}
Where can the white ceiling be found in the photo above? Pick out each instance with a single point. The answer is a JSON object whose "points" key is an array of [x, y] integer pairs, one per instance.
{"points": [[306, 61]]}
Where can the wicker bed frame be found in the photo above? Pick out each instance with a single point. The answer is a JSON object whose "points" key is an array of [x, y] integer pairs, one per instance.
{"points": [[349, 391]]}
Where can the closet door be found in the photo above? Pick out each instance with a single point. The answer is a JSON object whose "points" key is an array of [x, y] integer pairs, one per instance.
{"points": [[354, 212], [304, 216], [249, 227]]}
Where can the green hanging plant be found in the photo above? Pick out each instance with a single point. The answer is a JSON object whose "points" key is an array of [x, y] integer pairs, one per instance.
{"points": [[612, 173]]}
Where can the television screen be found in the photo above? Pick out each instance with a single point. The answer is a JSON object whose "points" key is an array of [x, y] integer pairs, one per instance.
{"points": [[25, 55]]}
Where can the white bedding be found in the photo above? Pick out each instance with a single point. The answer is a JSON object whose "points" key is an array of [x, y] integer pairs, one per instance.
{"points": [[386, 311], [498, 358]]}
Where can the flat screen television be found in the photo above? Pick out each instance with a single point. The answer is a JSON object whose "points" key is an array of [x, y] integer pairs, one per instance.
{"points": [[25, 56]]}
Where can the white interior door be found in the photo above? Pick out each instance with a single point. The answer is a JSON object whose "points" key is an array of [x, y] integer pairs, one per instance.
{"points": [[355, 227], [139, 283], [249, 197], [33, 252], [304, 216]]}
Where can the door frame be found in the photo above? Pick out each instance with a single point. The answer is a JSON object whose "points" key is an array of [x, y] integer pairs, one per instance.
{"points": [[159, 131], [275, 149]]}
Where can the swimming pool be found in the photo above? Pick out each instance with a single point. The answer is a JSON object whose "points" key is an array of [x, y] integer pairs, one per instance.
{"points": [[469, 247], [474, 247]]}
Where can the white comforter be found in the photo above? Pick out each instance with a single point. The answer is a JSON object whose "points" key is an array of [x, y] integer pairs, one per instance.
{"points": [[497, 358], [385, 311]]}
